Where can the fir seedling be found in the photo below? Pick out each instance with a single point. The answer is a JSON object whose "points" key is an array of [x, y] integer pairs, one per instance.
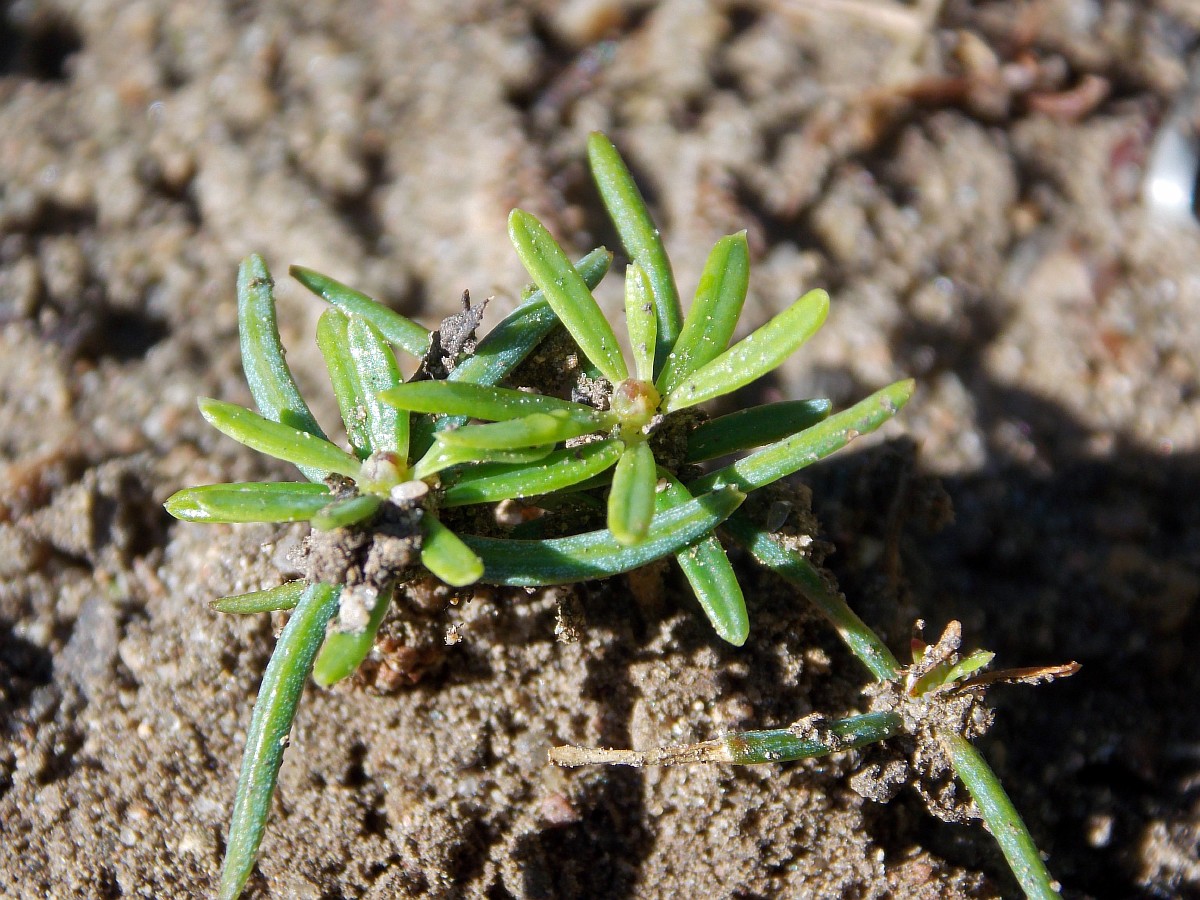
{"points": [[379, 503], [677, 364]]}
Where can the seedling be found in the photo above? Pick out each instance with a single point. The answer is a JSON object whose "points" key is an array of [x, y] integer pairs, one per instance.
{"points": [[385, 508], [678, 363], [376, 508]]}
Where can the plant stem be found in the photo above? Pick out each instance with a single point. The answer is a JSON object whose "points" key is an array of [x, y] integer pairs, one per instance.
{"points": [[1001, 818], [864, 643], [749, 747]]}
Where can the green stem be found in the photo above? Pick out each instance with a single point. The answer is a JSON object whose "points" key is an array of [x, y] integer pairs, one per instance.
{"points": [[864, 643], [750, 747], [1001, 818]]}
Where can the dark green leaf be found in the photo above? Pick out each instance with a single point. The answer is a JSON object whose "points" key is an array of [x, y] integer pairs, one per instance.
{"points": [[1001, 818], [285, 596], [597, 554], [754, 427], [793, 566]]}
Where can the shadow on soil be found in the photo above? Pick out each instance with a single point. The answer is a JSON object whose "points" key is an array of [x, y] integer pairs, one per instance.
{"points": [[1057, 555]]}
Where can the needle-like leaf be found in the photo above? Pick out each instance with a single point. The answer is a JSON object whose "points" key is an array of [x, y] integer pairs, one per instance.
{"points": [[754, 427], [485, 402], [445, 555], [640, 320], [443, 456], [396, 328], [343, 651], [505, 347], [748, 747], [714, 313], [784, 457], [631, 497], [252, 501], [267, 372], [1002, 818], [753, 356], [378, 372], [855, 634], [361, 365], [346, 512], [493, 482], [711, 576], [534, 430], [278, 440], [270, 723], [567, 294], [641, 238], [597, 554], [333, 340], [284, 596]]}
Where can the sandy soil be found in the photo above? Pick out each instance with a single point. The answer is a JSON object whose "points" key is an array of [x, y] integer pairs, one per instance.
{"points": [[968, 190]]}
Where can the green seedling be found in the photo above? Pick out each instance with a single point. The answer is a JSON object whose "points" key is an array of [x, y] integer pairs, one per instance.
{"points": [[387, 491], [676, 364], [464, 433]]}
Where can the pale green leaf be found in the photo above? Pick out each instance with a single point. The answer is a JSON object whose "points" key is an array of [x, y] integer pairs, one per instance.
{"points": [[631, 497], [253, 501], [493, 482], [641, 321], [708, 570], [753, 356], [278, 440], [641, 238], [445, 555], [567, 294], [267, 373], [784, 457], [714, 313], [396, 328]]}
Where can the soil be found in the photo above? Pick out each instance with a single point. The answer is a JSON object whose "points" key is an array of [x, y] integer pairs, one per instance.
{"points": [[964, 178]]}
